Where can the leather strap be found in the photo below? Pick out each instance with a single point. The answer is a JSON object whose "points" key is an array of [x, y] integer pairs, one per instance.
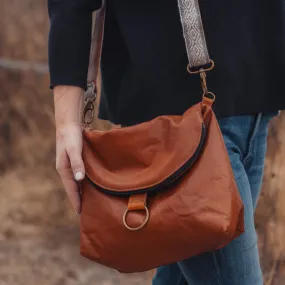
{"points": [[193, 32], [96, 44]]}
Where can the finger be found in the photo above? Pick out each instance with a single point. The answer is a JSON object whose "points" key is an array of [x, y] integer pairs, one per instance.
{"points": [[67, 177], [72, 189], [73, 146]]}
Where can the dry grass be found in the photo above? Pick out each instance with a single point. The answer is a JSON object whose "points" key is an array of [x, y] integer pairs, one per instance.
{"points": [[38, 230], [270, 214]]}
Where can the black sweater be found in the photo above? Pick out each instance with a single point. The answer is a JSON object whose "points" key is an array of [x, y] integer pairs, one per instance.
{"points": [[144, 58]]}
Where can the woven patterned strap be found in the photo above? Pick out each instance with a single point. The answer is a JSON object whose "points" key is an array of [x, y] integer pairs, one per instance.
{"points": [[193, 33], [192, 30]]}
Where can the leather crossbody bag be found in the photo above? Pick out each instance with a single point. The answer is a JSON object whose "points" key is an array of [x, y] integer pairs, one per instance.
{"points": [[163, 190]]}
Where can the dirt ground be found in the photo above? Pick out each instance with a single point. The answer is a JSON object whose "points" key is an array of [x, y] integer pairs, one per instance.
{"points": [[39, 242], [39, 231]]}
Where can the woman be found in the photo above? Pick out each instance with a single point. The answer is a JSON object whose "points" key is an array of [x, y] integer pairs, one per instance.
{"points": [[144, 76]]}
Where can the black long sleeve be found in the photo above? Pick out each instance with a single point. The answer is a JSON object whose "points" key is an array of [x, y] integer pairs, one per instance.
{"points": [[144, 59], [69, 40]]}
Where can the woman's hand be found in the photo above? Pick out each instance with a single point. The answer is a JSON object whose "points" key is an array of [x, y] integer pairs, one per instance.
{"points": [[69, 164]]}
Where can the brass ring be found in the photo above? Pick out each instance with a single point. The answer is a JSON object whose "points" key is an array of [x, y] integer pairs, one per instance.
{"points": [[209, 93], [139, 227], [201, 69]]}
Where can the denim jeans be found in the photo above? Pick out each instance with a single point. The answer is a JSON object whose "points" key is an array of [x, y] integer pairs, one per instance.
{"points": [[237, 263]]}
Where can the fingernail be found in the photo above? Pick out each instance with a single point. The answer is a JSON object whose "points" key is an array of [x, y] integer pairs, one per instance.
{"points": [[78, 176]]}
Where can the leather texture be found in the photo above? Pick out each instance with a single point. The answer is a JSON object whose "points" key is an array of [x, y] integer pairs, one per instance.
{"points": [[198, 209], [146, 154], [161, 191], [96, 43]]}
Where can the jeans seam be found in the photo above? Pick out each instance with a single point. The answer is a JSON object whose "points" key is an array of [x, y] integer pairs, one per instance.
{"points": [[180, 278], [252, 136], [217, 268]]}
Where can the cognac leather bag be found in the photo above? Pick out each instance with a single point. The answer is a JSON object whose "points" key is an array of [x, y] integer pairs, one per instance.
{"points": [[161, 191]]}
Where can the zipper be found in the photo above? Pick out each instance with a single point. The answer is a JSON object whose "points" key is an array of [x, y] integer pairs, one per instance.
{"points": [[165, 183]]}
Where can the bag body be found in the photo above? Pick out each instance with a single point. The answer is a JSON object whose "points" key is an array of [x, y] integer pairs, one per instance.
{"points": [[158, 192]]}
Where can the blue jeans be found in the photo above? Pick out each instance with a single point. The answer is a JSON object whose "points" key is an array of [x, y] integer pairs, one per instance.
{"points": [[237, 263]]}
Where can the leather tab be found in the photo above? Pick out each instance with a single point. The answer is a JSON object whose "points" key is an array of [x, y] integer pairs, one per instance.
{"points": [[208, 101], [137, 202]]}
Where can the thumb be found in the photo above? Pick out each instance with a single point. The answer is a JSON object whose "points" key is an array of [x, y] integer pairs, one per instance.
{"points": [[73, 144]]}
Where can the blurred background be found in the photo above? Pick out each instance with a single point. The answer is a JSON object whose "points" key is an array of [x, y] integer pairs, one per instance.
{"points": [[39, 232]]}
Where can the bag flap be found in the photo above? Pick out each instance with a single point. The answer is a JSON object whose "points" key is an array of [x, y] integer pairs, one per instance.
{"points": [[145, 157]]}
